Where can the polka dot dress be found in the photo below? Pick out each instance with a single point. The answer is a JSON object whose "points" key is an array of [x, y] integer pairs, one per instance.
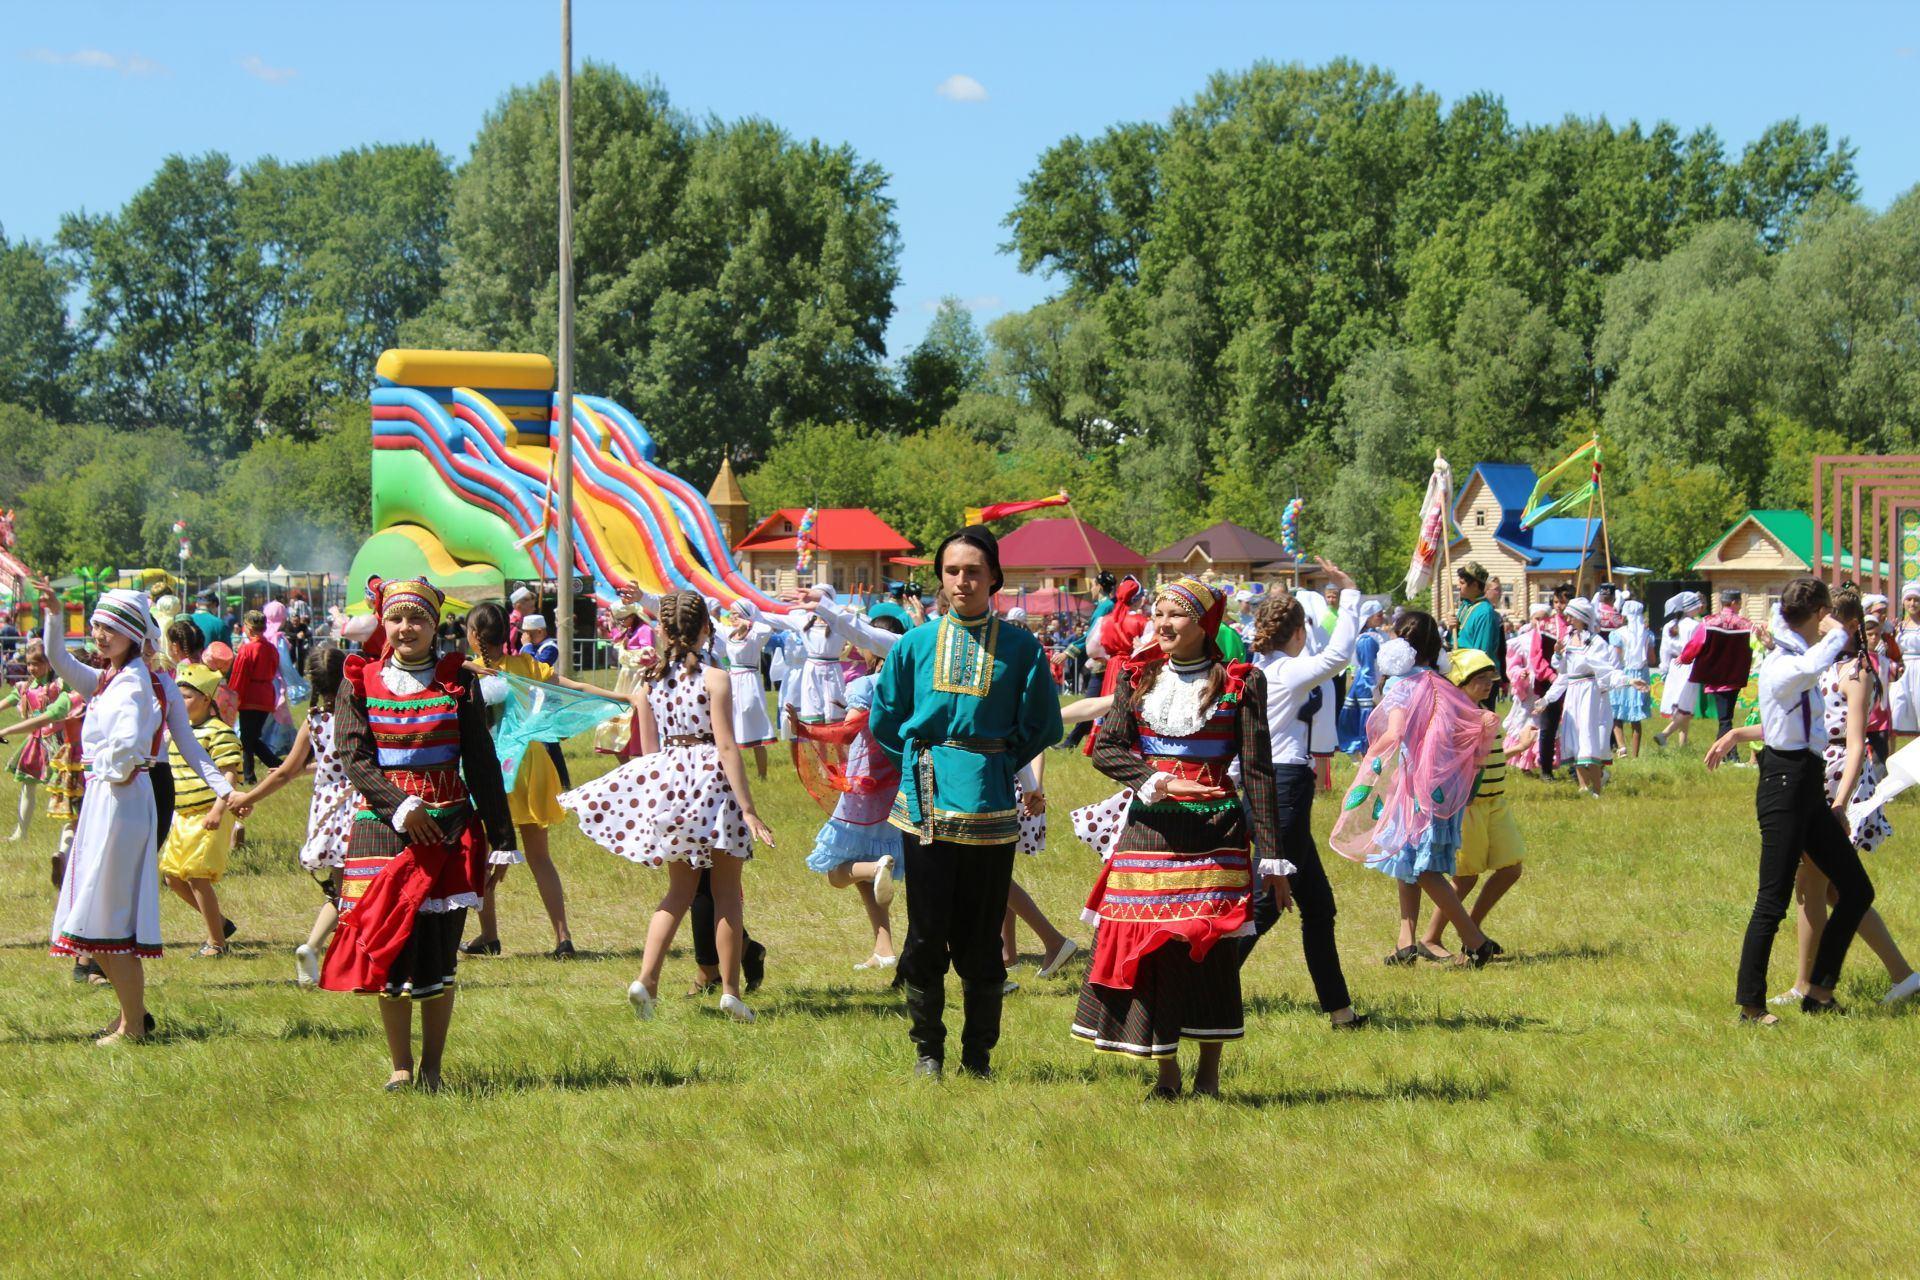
{"points": [[1102, 824], [330, 818], [671, 806]]}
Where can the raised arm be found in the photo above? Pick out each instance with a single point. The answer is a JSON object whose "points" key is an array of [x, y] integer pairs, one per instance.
{"points": [[852, 627], [1305, 670], [77, 674]]}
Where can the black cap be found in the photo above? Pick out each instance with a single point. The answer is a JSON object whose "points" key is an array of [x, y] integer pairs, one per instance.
{"points": [[980, 536]]}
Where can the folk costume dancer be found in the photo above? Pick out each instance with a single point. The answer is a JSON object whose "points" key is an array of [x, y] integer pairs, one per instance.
{"points": [[1905, 692], [1177, 878], [743, 638], [44, 702], [1114, 640], [109, 904], [1679, 693], [1720, 656], [1529, 675], [412, 733], [1358, 704], [1295, 677], [959, 707], [1795, 819], [1634, 646], [1404, 811], [699, 820], [1489, 839]]}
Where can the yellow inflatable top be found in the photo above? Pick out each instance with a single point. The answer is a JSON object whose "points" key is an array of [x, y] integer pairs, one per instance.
{"points": [[495, 370]]}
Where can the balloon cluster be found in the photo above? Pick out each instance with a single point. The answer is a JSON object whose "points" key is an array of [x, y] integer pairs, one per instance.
{"points": [[803, 542], [180, 532], [1290, 527]]}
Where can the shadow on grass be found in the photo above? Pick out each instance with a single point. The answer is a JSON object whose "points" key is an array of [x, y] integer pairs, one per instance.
{"points": [[1413, 1089], [166, 1031], [1392, 1016], [831, 1002], [578, 1076], [307, 1029], [1558, 955]]}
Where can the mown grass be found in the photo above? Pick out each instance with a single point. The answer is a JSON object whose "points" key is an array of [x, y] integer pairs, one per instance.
{"points": [[1588, 1106]]}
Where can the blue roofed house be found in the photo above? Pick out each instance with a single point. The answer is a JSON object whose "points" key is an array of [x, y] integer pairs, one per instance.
{"points": [[1528, 563]]}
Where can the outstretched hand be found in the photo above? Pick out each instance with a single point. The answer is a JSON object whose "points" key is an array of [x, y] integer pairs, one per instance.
{"points": [[1335, 574], [761, 831]]}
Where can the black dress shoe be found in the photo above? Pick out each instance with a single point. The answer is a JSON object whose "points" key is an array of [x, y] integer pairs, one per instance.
{"points": [[753, 965], [1480, 955], [563, 950], [481, 947], [1809, 1005]]}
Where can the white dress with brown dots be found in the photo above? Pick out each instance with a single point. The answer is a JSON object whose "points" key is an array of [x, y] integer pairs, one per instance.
{"points": [[674, 805]]}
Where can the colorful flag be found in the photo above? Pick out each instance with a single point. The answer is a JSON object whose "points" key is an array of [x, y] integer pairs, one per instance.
{"points": [[1435, 519], [1001, 510], [1541, 507], [536, 711]]}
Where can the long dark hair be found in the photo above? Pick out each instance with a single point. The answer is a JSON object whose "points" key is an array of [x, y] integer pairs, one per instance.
{"points": [[1850, 613], [326, 667], [488, 623], [1419, 629]]}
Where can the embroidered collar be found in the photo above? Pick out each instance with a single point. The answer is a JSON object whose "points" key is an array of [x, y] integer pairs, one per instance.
{"points": [[963, 659], [980, 621]]}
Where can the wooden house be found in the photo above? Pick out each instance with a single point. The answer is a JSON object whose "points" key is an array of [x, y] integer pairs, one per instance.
{"points": [[1231, 552], [854, 550], [1759, 554], [1528, 563]]}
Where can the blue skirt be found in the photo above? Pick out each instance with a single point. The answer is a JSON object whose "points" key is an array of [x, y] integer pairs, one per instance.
{"points": [[1352, 727], [840, 843], [1435, 850], [1630, 705]]}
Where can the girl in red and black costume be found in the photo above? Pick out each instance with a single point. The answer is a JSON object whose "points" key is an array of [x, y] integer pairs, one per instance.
{"points": [[411, 730], [1180, 847]]}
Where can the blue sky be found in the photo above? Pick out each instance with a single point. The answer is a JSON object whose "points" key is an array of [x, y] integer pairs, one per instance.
{"points": [[94, 95]]}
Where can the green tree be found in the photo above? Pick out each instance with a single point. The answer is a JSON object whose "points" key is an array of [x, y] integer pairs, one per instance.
{"points": [[821, 464], [37, 341], [173, 294], [1673, 515], [351, 248], [732, 282], [947, 363]]}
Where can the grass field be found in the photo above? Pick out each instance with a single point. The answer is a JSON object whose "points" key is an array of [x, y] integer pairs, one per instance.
{"points": [[1585, 1106]]}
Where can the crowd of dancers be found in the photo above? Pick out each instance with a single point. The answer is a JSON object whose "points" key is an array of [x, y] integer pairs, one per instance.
{"points": [[432, 776]]}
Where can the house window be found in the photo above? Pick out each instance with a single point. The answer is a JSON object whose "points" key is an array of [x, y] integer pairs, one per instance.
{"points": [[1480, 519], [839, 579]]}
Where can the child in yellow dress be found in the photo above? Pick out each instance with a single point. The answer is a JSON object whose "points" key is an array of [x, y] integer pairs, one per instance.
{"points": [[195, 855], [1490, 842]]}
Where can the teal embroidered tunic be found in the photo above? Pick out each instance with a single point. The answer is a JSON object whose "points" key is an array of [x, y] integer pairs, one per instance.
{"points": [[960, 706]]}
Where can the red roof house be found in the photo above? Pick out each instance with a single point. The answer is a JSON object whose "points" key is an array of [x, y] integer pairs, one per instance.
{"points": [[853, 550], [1232, 551], [1062, 553]]}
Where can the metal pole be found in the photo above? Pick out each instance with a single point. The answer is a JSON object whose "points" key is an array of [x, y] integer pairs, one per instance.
{"points": [[563, 425]]}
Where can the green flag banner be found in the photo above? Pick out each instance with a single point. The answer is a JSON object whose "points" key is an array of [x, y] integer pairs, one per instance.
{"points": [[1541, 506]]}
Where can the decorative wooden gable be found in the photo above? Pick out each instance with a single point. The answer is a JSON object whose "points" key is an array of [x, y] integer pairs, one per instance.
{"points": [[1751, 546]]}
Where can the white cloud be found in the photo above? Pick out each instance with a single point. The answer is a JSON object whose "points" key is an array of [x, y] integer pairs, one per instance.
{"points": [[254, 65], [127, 64], [961, 89]]}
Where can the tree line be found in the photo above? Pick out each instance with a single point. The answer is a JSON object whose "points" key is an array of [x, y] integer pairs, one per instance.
{"points": [[1303, 281]]}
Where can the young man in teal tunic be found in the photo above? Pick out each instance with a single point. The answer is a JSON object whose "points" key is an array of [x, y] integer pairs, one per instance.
{"points": [[960, 705]]}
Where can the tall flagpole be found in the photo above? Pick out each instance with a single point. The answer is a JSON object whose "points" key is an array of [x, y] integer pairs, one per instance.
{"points": [[563, 424]]}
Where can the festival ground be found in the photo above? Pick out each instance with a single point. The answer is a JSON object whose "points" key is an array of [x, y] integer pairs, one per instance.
{"points": [[1587, 1105]]}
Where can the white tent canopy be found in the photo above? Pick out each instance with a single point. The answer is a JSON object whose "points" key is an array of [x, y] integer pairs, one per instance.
{"points": [[278, 576], [247, 577]]}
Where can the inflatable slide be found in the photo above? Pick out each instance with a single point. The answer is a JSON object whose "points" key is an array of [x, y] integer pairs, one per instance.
{"points": [[463, 466]]}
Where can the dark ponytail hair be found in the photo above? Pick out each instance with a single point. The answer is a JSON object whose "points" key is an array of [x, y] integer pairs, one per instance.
{"points": [[326, 667], [488, 624], [1851, 613], [1419, 629]]}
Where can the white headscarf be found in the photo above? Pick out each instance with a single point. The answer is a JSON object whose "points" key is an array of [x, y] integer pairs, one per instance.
{"points": [[1580, 610], [1633, 636], [129, 613]]}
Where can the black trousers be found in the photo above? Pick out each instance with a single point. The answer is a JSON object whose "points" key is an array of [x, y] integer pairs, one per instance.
{"points": [[706, 948], [1791, 801], [253, 743], [162, 779], [1550, 734], [954, 910], [1724, 703], [1312, 892]]}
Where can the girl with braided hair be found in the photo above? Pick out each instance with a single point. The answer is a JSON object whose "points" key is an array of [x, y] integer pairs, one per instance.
{"points": [[684, 802]]}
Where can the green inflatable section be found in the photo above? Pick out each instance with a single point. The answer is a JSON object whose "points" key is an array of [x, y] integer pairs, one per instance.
{"points": [[407, 490], [392, 554]]}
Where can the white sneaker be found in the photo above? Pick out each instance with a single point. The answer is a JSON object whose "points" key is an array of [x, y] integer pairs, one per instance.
{"points": [[306, 966], [876, 962], [641, 999], [1068, 949], [1792, 995], [736, 1008], [883, 883], [1902, 989]]}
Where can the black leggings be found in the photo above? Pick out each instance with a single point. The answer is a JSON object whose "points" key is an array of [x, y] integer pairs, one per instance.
{"points": [[162, 779], [253, 742], [1791, 801], [1724, 703], [706, 949], [1550, 734], [1312, 892]]}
